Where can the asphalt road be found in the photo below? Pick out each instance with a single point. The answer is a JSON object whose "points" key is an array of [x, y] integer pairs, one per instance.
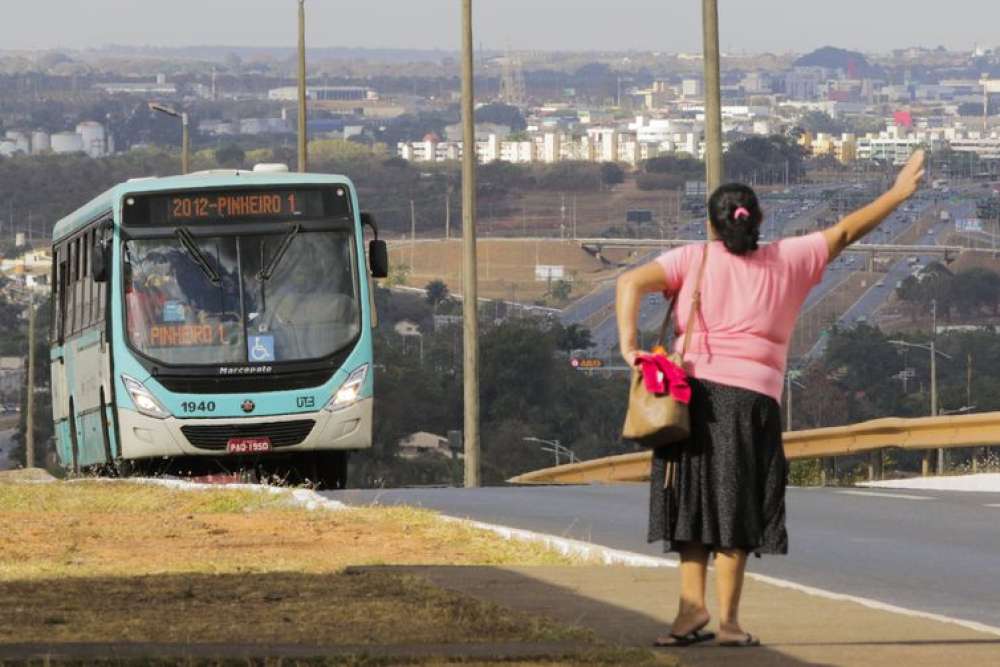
{"points": [[930, 551]]}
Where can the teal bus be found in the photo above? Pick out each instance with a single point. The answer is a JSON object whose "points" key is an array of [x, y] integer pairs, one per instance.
{"points": [[215, 323]]}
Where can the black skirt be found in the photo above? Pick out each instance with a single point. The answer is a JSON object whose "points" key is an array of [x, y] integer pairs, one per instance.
{"points": [[726, 486]]}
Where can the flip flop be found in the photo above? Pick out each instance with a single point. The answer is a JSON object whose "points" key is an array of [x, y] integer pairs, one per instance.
{"points": [[693, 637], [747, 641]]}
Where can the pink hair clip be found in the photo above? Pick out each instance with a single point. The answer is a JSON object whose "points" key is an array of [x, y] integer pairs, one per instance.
{"points": [[741, 213]]}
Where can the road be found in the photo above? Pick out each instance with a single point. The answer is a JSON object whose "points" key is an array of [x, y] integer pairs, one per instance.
{"points": [[928, 551]]}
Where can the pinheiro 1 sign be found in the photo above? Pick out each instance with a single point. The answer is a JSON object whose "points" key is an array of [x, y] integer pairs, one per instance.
{"points": [[260, 348]]}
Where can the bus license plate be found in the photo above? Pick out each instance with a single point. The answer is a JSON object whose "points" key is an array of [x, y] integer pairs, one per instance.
{"points": [[248, 445]]}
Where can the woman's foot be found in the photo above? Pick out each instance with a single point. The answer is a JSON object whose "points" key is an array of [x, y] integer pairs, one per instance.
{"points": [[731, 634], [689, 621], [687, 629]]}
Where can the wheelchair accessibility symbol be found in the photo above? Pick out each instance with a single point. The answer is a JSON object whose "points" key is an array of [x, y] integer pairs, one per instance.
{"points": [[260, 348]]}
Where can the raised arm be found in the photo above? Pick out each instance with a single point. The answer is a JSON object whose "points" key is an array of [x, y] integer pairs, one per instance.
{"points": [[860, 222], [631, 286]]}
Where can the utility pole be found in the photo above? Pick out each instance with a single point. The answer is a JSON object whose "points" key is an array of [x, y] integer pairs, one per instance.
{"points": [[185, 144], [29, 430], [713, 101], [934, 397], [413, 232], [470, 312], [447, 214], [788, 400], [574, 217], [303, 148]]}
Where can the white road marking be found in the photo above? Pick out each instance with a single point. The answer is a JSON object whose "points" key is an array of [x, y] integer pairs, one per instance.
{"points": [[874, 494], [992, 505]]}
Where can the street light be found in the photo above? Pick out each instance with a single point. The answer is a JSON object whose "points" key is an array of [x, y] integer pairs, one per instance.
{"points": [[553, 446], [185, 135], [934, 397]]}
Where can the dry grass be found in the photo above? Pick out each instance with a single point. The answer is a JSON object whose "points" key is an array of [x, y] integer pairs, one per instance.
{"points": [[100, 561], [506, 268], [99, 529]]}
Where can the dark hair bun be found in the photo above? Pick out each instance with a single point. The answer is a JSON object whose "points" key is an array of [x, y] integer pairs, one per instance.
{"points": [[736, 216]]}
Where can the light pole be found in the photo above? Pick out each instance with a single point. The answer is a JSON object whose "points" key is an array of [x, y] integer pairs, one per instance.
{"points": [[934, 396], [554, 446], [470, 287], [713, 100], [303, 145], [29, 430], [791, 377], [185, 133]]}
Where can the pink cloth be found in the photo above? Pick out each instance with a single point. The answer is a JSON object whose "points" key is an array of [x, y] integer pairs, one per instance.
{"points": [[749, 305], [661, 375]]}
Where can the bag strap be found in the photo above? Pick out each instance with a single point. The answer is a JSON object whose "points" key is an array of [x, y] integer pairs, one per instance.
{"points": [[695, 308]]}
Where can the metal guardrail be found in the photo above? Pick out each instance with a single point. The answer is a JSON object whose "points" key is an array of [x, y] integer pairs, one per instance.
{"points": [[920, 433]]}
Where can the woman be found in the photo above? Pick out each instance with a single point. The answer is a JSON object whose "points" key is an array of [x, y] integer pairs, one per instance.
{"points": [[726, 491]]}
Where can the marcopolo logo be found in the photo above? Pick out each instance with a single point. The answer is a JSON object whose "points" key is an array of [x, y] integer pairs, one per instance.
{"points": [[245, 370], [248, 406]]}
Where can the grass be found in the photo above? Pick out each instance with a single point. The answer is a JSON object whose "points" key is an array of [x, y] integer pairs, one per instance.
{"points": [[95, 561]]}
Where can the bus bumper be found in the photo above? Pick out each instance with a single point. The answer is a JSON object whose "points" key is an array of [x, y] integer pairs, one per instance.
{"points": [[146, 437]]}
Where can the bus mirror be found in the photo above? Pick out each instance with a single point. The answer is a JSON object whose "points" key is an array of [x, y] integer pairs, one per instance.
{"points": [[368, 220], [99, 262], [378, 258]]}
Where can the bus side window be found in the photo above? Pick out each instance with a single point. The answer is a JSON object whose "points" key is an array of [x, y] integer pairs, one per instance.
{"points": [[63, 293], [70, 325], [99, 288], [55, 316], [85, 279]]}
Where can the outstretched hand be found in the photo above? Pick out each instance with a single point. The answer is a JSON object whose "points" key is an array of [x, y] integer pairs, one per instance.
{"points": [[909, 177]]}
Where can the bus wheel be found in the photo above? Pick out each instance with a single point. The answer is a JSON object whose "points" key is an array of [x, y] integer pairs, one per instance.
{"points": [[73, 439], [331, 468]]}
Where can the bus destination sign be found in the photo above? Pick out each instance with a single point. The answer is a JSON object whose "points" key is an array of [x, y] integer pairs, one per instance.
{"points": [[236, 205]]}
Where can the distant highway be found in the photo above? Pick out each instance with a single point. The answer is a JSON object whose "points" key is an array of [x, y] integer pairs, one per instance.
{"points": [[781, 216], [863, 310], [929, 551]]}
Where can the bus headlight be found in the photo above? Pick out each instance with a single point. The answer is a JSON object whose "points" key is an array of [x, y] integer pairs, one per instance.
{"points": [[144, 401], [348, 393]]}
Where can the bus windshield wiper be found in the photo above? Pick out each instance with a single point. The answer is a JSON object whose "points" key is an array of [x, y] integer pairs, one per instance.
{"points": [[184, 236], [265, 273]]}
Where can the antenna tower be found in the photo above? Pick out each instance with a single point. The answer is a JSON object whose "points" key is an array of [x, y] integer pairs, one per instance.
{"points": [[512, 89]]}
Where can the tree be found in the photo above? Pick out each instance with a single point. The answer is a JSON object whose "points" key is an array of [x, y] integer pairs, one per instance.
{"points": [[502, 114], [764, 159], [561, 290], [330, 150], [573, 337], [821, 122], [437, 293], [230, 155], [612, 173]]}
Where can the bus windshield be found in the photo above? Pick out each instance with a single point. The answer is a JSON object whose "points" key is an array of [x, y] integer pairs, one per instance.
{"points": [[241, 299]]}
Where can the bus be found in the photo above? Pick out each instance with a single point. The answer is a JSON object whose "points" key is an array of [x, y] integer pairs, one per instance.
{"points": [[215, 323]]}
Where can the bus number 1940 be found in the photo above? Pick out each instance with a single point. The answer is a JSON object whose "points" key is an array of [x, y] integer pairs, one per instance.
{"points": [[198, 406]]}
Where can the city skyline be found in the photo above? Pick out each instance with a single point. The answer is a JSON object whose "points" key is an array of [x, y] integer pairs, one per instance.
{"points": [[517, 24]]}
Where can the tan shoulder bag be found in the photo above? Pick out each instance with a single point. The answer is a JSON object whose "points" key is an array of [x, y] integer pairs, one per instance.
{"points": [[653, 420]]}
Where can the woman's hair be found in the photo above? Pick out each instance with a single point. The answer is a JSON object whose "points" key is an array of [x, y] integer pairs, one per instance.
{"points": [[736, 217]]}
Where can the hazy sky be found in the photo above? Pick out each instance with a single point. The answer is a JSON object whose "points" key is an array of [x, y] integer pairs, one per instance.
{"points": [[669, 25]]}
